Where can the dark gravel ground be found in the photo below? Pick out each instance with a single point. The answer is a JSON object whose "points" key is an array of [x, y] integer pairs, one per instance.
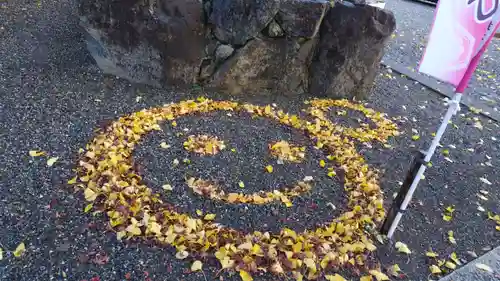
{"points": [[53, 97], [414, 21]]}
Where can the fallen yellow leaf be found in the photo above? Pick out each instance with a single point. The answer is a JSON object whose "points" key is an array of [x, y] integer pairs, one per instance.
{"points": [[89, 194], [18, 252], [1, 254], [403, 248], [269, 168], [394, 270], [366, 278], [245, 276], [196, 266], [435, 269], [379, 275], [35, 153], [450, 265], [167, 187], [52, 161], [241, 184], [88, 208], [209, 217], [164, 145], [335, 277], [431, 254], [72, 181]]}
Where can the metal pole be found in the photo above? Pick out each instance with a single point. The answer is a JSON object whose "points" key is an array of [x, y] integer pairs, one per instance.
{"points": [[453, 108]]}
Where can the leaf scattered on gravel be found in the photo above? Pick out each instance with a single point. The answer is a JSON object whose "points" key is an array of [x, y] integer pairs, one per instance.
{"points": [[36, 153], [19, 251], [435, 269], [196, 266], [245, 276], [52, 161], [402, 248]]}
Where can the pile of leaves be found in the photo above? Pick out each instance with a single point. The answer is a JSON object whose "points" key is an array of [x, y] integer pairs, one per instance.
{"points": [[284, 151], [204, 145], [110, 183]]}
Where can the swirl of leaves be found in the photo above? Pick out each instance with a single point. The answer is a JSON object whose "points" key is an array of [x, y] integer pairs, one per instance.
{"points": [[109, 181]]}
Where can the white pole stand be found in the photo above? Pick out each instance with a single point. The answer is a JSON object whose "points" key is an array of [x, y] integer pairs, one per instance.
{"points": [[416, 173]]}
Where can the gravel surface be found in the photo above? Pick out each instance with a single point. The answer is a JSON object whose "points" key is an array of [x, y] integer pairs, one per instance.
{"points": [[53, 97], [414, 21]]}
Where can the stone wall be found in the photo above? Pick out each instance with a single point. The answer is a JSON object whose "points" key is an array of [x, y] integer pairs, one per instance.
{"points": [[240, 46]]}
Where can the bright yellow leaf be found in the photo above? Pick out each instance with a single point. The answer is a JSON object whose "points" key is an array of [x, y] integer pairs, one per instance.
{"points": [[134, 229], [18, 252], [196, 266], [335, 277], [245, 276], [269, 168], [450, 265], [155, 228], [199, 212], [89, 194], [35, 153], [366, 278], [446, 218], [72, 181], [435, 269], [394, 270], [241, 184], [88, 208], [164, 145], [52, 161], [209, 217], [322, 163], [415, 137], [167, 187], [121, 234], [379, 275], [403, 248], [431, 254]]}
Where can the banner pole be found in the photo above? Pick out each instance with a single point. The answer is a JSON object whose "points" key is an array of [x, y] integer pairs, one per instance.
{"points": [[453, 108]]}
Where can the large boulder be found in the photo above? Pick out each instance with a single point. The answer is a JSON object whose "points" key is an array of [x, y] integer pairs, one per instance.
{"points": [[162, 42], [349, 51], [265, 64], [239, 46]]}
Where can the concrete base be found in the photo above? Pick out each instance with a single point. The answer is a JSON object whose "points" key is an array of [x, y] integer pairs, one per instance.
{"points": [[470, 272]]}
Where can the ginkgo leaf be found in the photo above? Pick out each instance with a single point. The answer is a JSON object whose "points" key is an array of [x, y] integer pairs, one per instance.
{"points": [[450, 265], [245, 276], [199, 212], [209, 217], [431, 254], [335, 277], [134, 229], [88, 208], [1, 254], [241, 184], [121, 234], [484, 267], [435, 269], [379, 275], [18, 252], [35, 153], [322, 163], [447, 218], [269, 168], [89, 194], [52, 161], [415, 137], [403, 248], [394, 270], [366, 278], [72, 181], [164, 145], [196, 266], [181, 255], [167, 187]]}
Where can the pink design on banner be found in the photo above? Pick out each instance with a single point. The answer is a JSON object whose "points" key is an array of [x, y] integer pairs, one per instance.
{"points": [[460, 29]]}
